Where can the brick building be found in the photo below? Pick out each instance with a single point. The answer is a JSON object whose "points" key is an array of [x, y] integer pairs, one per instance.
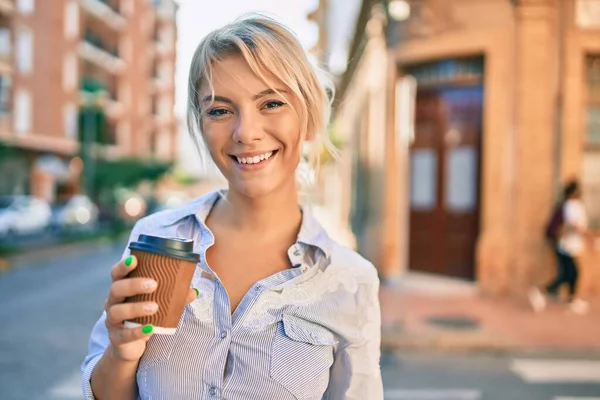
{"points": [[53, 51], [461, 120]]}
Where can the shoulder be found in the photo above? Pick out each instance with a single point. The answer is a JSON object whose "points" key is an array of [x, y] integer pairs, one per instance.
{"points": [[350, 262]]}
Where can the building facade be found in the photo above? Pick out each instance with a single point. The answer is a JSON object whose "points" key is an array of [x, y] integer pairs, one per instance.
{"points": [[61, 55], [461, 123]]}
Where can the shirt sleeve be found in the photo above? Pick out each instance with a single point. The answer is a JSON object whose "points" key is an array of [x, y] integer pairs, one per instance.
{"points": [[356, 372], [99, 340]]}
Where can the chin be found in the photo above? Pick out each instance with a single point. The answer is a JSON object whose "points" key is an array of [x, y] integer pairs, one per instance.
{"points": [[253, 190]]}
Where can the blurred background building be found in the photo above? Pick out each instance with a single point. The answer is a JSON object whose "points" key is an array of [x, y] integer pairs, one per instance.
{"points": [[61, 57], [459, 121]]}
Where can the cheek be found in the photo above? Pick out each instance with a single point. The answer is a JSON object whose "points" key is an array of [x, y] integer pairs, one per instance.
{"points": [[215, 134], [288, 128]]}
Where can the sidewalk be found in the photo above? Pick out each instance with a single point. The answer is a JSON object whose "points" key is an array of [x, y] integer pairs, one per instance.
{"points": [[436, 314]]}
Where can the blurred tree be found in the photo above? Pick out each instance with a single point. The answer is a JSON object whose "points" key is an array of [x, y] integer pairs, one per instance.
{"points": [[128, 172]]}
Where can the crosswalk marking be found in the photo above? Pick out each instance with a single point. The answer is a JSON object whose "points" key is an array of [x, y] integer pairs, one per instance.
{"points": [[576, 398], [432, 394], [566, 371], [70, 388]]}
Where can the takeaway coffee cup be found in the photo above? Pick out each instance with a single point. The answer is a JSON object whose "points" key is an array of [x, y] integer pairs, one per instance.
{"points": [[171, 262]]}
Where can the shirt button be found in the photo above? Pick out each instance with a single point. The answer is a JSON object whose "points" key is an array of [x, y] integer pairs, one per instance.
{"points": [[257, 288], [212, 391], [223, 334]]}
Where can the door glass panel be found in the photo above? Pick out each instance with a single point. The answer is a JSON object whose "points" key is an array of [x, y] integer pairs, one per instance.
{"points": [[461, 176], [423, 180]]}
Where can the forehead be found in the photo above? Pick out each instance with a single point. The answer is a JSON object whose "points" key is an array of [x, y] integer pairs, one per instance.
{"points": [[233, 75]]}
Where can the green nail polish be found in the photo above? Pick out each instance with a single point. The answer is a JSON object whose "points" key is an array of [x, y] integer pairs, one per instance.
{"points": [[147, 329], [128, 261], [197, 292]]}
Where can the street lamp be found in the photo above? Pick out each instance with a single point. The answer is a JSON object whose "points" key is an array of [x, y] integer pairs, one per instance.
{"points": [[399, 10]]}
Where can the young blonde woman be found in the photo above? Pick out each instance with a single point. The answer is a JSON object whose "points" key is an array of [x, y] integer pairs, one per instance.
{"points": [[279, 310]]}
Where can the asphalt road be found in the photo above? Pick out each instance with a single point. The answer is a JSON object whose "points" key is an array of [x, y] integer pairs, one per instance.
{"points": [[48, 306]]}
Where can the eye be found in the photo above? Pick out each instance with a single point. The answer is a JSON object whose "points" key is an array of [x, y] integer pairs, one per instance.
{"points": [[274, 104], [217, 112]]}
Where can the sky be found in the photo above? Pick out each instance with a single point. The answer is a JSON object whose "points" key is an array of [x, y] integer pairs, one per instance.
{"points": [[198, 17]]}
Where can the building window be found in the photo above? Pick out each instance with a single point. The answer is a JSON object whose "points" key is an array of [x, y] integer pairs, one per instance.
{"points": [[591, 160], [5, 91], [5, 46], [25, 6], [22, 111], [24, 51], [70, 120], [70, 73], [165, 107], [163, 144], [71, 20]]}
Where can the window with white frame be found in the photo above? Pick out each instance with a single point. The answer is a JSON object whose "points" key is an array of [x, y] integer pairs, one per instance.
{"points": [[22, 117], [70, 71], [590, 178], [24, 50], [26, 6], [71, 19], [70, 120]]}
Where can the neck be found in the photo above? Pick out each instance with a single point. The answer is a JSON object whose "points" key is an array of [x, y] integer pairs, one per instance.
{"points": [[278, 211]]}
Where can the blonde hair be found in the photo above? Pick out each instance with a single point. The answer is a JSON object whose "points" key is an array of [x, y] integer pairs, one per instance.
{"points": [[270, 49]]}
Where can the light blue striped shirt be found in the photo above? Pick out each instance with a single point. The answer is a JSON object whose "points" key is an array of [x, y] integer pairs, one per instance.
{"points": [[309, 332]]}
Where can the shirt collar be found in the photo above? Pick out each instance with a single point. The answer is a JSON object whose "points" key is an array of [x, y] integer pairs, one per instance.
{"points": [[311, 232]]}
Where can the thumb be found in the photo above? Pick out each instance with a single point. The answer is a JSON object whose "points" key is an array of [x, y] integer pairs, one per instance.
{"points": [[191, 296]]}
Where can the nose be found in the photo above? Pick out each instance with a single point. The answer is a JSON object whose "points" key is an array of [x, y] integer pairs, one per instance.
{"points": [[248, 129]]}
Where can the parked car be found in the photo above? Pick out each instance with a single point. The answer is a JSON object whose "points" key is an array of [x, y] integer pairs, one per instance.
{"points": [[77, 213], [23, 215]]}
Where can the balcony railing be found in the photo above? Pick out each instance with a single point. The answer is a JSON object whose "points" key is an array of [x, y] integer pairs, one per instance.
{"points": [[104, 11], [94, 50]]}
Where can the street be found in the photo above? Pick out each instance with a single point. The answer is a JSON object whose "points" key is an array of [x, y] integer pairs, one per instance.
{"points": [[49, 306]]}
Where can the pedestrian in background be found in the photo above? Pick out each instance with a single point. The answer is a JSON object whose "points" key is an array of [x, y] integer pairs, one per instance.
{"points": [[290, 314], [568, 234]]}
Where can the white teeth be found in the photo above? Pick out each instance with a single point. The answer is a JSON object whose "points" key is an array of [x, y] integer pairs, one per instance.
{"points": [[255, 159]]}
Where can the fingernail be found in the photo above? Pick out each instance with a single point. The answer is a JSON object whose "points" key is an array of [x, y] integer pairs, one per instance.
{"points": [[197, 292], [150, 307], [147, 329], [149, 284], [128, 261]]}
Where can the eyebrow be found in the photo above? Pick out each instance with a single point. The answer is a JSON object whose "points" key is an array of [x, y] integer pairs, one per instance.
{"points": [[257, 96]]}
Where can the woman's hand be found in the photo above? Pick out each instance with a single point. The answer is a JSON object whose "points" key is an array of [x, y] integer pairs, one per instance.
{"points": [[128, 344]]}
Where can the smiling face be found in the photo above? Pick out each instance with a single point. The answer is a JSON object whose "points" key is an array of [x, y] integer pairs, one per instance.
{"points": [[252, 133]]}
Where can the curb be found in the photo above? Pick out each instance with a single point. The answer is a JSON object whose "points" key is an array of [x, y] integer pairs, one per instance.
{"points": [[452, 342]]}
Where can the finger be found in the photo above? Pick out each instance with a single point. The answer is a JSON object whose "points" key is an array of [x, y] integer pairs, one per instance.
{"points": [[192, 294], [122, 335], [123, 267], [128, 311], [123, 288]]}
